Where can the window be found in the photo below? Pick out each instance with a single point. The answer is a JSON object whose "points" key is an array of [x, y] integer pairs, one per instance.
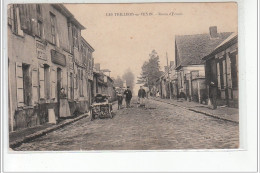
{"points": [[75, 37], [14, 19], [47, 81], [39, 20], [53, 29], [39, 28], [80, 76], [39, 10], [27, 85]]}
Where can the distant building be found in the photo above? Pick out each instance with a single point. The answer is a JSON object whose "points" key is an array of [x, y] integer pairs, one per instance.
{"points": [[102, 83], [222, 68], [189, 51]]}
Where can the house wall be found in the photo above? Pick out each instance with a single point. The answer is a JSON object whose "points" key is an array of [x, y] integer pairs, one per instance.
{"points": [[185, 79], [27, 48], [223, 68]]}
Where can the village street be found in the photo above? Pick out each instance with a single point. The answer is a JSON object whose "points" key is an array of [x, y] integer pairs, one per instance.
{"points": [[161, 126]]}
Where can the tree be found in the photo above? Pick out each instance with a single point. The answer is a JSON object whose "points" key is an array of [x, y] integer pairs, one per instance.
{"points": [[129, 77], [118, 82], [150, 70]]}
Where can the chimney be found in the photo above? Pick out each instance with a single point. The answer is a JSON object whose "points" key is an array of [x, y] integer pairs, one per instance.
{"points": [[171, 63], [97, 66], [213, 32]]}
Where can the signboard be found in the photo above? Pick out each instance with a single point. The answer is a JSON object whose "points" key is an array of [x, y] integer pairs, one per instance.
{"points": [[58, 58], [40, 51]]}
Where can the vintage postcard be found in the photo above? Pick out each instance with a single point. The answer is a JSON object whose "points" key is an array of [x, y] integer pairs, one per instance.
{"points": [[133, 76]]}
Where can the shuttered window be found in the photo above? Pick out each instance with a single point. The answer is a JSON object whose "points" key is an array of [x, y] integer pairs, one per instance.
{"points": [[14, 19], [23, 84], [53, 28]]}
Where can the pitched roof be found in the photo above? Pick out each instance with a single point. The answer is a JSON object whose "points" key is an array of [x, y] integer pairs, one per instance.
{"points": [[192, 48], [223, 45]]}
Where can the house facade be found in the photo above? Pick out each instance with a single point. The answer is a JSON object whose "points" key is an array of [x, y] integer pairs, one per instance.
{"points": [[190, 68], [43, 57], [222, 68]]}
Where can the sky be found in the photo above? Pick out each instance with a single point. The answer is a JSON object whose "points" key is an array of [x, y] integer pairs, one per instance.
{"points": [[124, 41]]}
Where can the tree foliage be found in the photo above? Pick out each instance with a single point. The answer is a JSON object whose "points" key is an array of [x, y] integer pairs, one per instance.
{"points": [[150, 70], [118, 82]]}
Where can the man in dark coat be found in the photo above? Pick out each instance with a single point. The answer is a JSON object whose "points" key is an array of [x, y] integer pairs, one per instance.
{"points": [[128, 96], [141, 95]]}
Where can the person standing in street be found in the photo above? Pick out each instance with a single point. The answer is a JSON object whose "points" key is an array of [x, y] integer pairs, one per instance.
{"points": [[141, 96], [64, 105], [119, 99], [128, 96], [213, 94]]}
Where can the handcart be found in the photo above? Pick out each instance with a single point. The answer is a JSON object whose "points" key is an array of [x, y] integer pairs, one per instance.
{"points": [[101, 108]]}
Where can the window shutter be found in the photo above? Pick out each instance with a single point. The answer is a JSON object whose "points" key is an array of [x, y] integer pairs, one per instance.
{"points": [[53, 83], [10, 14], [41, 81], [22, 12], [224, 72], [35, 84], [33, 19], [229, 84], [69, 87], [75, 86], [19, 84], [218, 73]]}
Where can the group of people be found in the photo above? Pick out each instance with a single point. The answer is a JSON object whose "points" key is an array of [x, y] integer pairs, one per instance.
{"points": [[127, 94]]}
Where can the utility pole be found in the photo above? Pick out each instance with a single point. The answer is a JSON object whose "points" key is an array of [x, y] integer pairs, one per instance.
{"points": [[168, 72]]}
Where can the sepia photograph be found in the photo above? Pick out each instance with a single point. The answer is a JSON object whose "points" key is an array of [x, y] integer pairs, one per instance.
{"points": [[123, 76]]}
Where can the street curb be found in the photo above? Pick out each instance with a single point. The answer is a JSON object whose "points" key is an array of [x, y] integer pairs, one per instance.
{"points": [[198, 111], [35, 135]]}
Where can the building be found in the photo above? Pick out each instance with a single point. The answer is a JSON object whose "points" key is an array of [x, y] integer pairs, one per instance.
{"points": [[103, 84], [222, 68], [43, 57], [190, 68], [168, 87], [87, 63]]}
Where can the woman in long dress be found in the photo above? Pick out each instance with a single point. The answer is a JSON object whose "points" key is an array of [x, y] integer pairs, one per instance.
{"points": [[64, 105]]}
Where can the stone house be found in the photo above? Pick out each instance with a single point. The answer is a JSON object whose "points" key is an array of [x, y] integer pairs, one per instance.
{"points": [[87, 64], [190, 68], [43, 57], [222, 68]]}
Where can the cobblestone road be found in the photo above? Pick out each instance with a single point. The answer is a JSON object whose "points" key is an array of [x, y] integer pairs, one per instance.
{"points": [[162, 126]]}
